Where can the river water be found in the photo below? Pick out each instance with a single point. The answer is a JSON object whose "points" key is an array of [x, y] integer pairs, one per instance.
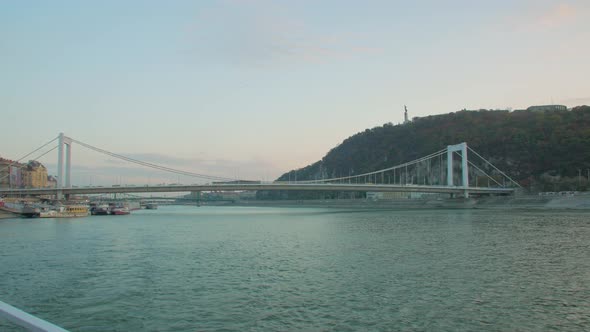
{"points": [[297, 269]]}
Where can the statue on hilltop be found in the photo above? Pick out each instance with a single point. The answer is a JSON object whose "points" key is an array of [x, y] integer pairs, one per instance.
{"points": [[406, 120]]}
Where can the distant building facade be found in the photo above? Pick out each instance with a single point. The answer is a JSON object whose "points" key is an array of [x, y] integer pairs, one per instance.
{"points": [[34, 175], [547, 108], [51, 182], [5, 173], [17, 175], [10, 174]]}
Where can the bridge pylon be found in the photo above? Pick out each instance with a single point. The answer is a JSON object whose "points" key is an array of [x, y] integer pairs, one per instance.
{"points": [[67, 142], [462, 147]]}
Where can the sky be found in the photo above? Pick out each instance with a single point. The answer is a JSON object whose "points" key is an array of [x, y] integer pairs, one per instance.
{"points": [[253, 88]]}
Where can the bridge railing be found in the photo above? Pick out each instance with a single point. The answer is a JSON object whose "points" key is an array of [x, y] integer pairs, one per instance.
{"points": [[26, 320]]}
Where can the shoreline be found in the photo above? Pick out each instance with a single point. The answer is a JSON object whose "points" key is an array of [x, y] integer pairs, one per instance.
{"points": [[524, 202], [8, 215], [579, 203]]}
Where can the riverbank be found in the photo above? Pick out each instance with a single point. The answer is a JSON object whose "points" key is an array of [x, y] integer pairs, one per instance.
{"points": [[524, 202], [8, 215]]}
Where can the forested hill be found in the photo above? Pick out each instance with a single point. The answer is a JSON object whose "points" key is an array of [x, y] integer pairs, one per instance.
{"points": [[538, 149]]}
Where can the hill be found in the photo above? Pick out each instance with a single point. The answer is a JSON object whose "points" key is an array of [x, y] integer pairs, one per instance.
{"points": [[542, 150]]}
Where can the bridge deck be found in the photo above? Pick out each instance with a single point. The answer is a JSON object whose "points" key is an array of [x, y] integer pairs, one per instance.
{"points": [[261, 186]]}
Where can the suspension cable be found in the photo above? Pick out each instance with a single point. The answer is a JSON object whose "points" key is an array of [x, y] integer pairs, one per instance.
{"points": [[479, 169], [219, 178], [484, 173], [432, 155], [28, 154], [496, 168], [154, 166], [23, 166]]}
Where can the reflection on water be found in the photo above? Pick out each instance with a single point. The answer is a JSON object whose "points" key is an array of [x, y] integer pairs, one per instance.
{"points": [[188, 268]]}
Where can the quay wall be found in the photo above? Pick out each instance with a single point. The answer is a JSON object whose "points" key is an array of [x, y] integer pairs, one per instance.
{"points": [[6, 214], [577, 202]]}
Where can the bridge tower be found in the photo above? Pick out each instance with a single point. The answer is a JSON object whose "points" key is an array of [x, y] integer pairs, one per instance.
{"points": [[67, 142], [464, 168]]}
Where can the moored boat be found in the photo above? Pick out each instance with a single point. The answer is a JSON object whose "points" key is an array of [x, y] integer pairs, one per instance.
{"points": [[67, 211], [132, 206], [119, 210], [30, 211], [22, 208], [100, 210]]}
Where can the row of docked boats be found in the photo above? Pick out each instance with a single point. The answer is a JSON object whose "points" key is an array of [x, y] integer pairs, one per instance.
{"points": [[64, 211], [40, 210], [72, 209], [36, 209], [109, 209], [24, 209]]}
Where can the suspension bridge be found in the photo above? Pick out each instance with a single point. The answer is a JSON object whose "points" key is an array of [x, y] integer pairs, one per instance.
{"points": [[447, 171]]}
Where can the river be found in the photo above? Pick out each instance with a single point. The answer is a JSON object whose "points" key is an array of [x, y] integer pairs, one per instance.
{"points": [[301, 269]]}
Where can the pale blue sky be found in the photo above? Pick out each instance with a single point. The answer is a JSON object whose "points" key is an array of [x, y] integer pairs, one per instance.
{"points": [[254, 88]]}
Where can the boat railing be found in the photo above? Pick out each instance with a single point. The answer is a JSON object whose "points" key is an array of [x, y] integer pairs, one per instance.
{"points": [[26, 320]]}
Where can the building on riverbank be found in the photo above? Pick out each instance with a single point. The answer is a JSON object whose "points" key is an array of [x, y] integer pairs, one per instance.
{"points": [[10, 174], [547, 108], [18, 175], [34, 175]]}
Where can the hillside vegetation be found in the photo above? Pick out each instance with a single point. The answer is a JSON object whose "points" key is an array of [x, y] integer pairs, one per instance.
{"points": [[543, 151]]}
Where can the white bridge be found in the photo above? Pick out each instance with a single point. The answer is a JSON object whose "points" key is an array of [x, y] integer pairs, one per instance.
{"points": [[404, 177], [261, 186]]}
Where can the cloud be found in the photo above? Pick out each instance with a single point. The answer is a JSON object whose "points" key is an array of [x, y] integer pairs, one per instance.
{"points": [[154, 158], [537, 18], [261, 33], [558, 15]]}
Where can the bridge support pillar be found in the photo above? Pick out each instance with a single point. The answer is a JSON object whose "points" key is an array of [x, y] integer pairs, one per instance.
{"points": [[68, 165], [464, 167], [464, 170], [67, 142], [449, 167]]}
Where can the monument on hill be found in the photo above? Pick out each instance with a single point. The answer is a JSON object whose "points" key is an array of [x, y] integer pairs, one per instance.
{"points": [[406, 115]]}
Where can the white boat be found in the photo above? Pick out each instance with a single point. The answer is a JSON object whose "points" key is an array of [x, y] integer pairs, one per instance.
{"points": [[66, 211], [151, 206], [23, 208], [100, 210]]}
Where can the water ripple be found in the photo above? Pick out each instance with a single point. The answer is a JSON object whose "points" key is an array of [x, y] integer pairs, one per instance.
{"points": [[261, 269]]}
